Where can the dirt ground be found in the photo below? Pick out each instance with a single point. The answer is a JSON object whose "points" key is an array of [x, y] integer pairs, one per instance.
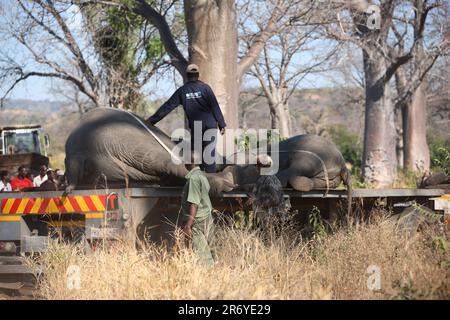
{"points": [[6, 294]]}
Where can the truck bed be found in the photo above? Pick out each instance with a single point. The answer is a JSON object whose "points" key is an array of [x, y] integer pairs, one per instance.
{"points": [[157, 192]]}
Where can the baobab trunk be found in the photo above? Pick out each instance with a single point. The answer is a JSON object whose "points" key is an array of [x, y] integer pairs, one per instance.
{"points": [[281, 119], [400, 83], [399, 136], [379, 160], [416, 151], [212, 33]]}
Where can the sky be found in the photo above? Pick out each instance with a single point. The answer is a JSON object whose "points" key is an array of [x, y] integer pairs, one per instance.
{"points": [[37, 88]]}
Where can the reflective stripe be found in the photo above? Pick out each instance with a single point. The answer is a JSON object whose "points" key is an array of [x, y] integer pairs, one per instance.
{"points": [[66, 203], [59, 224], [82, 204], [37, 205], [75, 204], [9, 218], [98, 204], [94, 216], [22, 205], [8, 205]]}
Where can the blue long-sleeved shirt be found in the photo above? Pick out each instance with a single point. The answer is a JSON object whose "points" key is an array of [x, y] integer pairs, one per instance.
{"points": [[199, 103]]}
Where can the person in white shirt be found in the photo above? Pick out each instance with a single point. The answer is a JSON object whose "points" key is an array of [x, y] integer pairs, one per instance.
{"points": [[4, 181], [41, 177]]}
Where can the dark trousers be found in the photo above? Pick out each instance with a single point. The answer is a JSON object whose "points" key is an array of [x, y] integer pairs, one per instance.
{"points": [[207, 167]]}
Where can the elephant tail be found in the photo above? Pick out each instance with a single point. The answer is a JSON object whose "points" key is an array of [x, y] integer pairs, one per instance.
{"points": [[347, 179]]}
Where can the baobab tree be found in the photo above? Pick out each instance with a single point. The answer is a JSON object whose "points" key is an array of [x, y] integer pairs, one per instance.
{"points": [[212, 42], [281, 67], [411, 84], [370, 28]]}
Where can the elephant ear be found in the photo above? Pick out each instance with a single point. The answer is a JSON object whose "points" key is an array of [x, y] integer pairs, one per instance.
{"points": [[220, 182], [228, 181]]}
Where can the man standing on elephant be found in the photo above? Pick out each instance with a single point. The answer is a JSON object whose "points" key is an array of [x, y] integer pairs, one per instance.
{"points": [[196, 219], [201, 106]]}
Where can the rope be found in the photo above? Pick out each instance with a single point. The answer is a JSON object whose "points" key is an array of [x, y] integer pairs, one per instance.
{"points": [[173, 155]]}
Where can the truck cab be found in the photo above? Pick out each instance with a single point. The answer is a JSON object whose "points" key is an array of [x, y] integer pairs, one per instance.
{"points": [[23, 145]]}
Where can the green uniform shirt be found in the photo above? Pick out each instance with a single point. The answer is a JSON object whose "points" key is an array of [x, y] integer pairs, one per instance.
{"points": [[196, 191]]}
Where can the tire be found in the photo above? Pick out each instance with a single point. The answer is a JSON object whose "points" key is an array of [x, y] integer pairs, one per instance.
{"points": [[410, 220]]}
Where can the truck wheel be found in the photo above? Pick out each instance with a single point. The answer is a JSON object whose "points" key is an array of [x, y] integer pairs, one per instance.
{"points": [[413, 218]]}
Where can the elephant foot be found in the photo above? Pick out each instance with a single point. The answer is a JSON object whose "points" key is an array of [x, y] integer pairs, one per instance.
{"points": [[301, 183]]}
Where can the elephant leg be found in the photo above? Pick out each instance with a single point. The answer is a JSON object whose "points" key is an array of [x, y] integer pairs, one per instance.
{"points": [[298, 182], [290, 177], [74, 172], [321, 183], [284, 176], [301, 183]]}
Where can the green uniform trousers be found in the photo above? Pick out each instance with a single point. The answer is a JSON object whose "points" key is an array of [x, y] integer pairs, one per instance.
{"points": [[202, 235]]}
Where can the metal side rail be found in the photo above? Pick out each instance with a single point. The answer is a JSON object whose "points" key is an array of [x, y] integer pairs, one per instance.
{"points": [[317, 193], [16, 265]]}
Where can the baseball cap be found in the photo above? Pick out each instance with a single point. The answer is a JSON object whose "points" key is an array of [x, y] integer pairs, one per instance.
{"points": [[264, 160], [192, 68]]}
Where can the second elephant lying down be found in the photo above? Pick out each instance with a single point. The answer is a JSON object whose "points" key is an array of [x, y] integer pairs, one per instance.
{"points": [[305, 162]]}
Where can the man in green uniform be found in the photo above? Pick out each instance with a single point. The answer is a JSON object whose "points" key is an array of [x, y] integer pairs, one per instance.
{"points": [[196, 207]]}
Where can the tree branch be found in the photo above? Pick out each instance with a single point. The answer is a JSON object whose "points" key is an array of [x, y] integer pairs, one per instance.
{"points": [[258, 43], [25, 75], [416, 79], [177, 59], [399, 61], [71, 42]]}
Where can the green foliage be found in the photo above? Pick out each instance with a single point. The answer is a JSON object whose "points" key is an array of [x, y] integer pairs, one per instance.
{"points": [[441, 159], [248, 140], [154, 48], [123, 38], [358, 182], [349, 144], [441, 243], [242, 219], [351, 147], [125, 30], [317, 224], [406, 178], [439, 151], [408, 290]]}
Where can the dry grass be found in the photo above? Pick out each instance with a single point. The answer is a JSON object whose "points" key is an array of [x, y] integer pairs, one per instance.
{"points": [[329, 267]]}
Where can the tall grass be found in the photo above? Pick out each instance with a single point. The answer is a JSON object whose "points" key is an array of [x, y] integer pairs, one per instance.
{"points": [[253, 266]]}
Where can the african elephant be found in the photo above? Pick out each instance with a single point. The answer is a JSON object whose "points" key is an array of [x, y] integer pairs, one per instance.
{"points": [[115, 146], [305, 162]]}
